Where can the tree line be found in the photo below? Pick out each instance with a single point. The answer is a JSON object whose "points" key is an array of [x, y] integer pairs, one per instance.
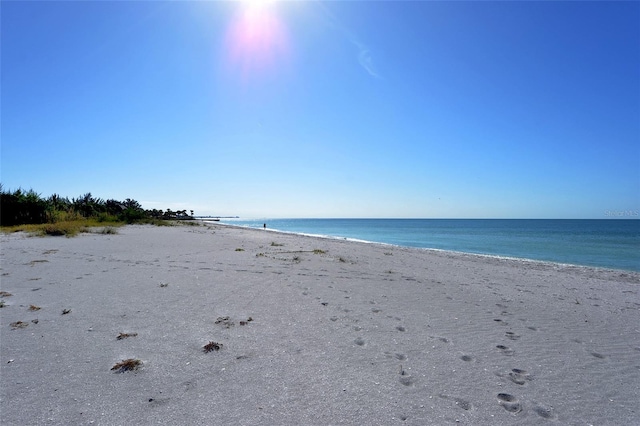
{"points": [[22, 207]]}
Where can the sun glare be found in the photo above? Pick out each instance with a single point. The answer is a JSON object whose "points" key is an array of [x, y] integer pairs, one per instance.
{"points": [[255, 4], [257, 41]]}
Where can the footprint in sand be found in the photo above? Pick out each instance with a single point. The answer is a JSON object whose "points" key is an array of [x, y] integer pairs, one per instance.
{"points": [[598, 355], [544, 412], [466, 358], [406, 379], [441, 339], [509, 403], [462, 403], [520, 377], [398, 356], [359, 341], [507, 351], [511, 335], [155, 402], [401, 328]]}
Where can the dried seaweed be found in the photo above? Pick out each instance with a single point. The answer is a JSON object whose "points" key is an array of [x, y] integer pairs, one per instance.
{"points": [[125, 335], [19, 324], [130, 364], [247, 321], [212, 346]]}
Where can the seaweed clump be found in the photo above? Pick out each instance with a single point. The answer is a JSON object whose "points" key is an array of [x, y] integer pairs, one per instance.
{"points": [[18, 324], [130, 364], [212, 346], [125, 335]]}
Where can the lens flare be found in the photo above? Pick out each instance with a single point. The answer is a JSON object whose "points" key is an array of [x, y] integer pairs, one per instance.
{"points": [[257, 41]]}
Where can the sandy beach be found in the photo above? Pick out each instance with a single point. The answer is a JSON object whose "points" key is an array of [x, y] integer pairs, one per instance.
{"points": [[307, 331]]}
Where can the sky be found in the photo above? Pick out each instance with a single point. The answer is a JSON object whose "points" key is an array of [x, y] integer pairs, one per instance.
{"points": [[285, 109]]}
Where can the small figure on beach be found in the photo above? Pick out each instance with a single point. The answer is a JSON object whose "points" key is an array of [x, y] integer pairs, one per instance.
{"points": [[264, 226]]}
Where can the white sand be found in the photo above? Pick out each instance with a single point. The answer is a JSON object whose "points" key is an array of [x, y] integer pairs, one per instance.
{"points": [[361, 334]]}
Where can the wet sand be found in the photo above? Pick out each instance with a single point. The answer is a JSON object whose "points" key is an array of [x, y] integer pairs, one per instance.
{"points": [[309, 331]]}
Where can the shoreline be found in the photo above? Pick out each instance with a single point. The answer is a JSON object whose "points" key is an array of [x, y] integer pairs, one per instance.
{"points": [[462, 253], [309, 331]]}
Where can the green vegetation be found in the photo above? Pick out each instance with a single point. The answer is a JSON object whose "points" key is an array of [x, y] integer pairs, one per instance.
{"points": [[67, 228], [318, 251], [28, 211]]}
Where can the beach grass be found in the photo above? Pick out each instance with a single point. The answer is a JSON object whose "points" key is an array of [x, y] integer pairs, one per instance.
{"points": [[72, 225], [157, 222], [68, 228]]}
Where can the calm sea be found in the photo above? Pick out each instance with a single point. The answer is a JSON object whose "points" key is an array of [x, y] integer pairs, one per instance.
{"points": [[606, 243]]}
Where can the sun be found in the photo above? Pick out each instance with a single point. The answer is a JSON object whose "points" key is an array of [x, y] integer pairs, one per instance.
{"points": [[256, 4], [256, 13], [256, 9], [257, 40]]}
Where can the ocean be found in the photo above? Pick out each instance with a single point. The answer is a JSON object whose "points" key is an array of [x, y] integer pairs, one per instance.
{"points": [[606, 243]]}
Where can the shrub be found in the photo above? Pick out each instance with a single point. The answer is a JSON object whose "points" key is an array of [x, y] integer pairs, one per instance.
{"points": [[131, 215], [106, 217], [68, 229], [20, 207]]}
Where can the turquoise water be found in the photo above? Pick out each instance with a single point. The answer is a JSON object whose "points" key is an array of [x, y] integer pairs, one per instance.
{"points": [[601, 243]]}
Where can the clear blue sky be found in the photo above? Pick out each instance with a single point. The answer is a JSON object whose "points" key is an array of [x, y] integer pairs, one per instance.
{"points": [[326, 109]]}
